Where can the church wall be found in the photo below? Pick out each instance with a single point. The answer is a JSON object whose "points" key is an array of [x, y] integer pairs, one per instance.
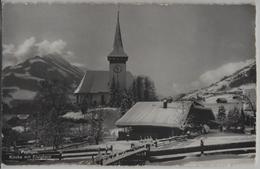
{"points": [[94, 99], [97, 98]]}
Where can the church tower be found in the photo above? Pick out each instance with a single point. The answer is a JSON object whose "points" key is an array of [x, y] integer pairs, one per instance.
{"points": [[117, 59]]}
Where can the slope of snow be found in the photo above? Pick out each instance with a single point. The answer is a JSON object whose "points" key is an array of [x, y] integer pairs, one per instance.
{"points": [[19, 129], [224, 85], [34, 60], [242, 87], [79, 115], [27, 76], [23, 94], [73, 115]]}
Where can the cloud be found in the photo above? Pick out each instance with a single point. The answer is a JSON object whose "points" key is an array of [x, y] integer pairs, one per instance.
{"points": [[30, 48], [212, 76], [8, 49], [26, 49], [45, 47]]}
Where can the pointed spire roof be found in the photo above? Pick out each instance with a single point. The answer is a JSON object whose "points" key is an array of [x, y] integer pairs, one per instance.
{"points": [[118, 49]]}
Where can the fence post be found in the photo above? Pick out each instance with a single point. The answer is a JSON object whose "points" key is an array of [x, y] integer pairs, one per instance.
{"points": [[93, 160], [148, 148], [201, 147], [60, 155]]}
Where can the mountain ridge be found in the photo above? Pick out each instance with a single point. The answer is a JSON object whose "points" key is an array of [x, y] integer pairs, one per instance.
{"points": [[21, 81], [235, 82]]}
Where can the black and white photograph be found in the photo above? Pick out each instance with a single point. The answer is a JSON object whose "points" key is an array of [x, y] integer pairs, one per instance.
{"points": [[128, 84]]}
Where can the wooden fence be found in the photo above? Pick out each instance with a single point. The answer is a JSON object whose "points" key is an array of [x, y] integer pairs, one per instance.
{"points": [[105, 156], [47, 155]]}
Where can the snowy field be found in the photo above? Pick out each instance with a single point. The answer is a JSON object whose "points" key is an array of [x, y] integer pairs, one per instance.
{"points": [[212, 161], [223, 138]]}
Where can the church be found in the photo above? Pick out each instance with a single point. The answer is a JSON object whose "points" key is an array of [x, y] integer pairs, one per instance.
{"points": [[94, 88]]}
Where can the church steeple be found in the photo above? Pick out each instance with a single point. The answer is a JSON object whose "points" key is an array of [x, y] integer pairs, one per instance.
{"points": [[118, 48], [117, 59]]}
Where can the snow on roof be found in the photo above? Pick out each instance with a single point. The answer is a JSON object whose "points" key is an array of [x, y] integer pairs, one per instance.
{"points": [[153, 114], [98, 81], [23, 116], [19, 129]]}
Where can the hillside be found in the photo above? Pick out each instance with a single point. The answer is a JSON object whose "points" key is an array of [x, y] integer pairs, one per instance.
{"points": [[21, 81], [244, 78]]}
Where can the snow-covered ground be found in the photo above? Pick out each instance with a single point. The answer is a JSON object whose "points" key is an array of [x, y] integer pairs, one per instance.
{"points": [[79, 115], [222, 138], [191, 160], [212, 161], [19, 129]]}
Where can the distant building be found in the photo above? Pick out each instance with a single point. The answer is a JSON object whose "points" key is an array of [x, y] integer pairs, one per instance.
{"points": [[161, 120], [94, 88]]}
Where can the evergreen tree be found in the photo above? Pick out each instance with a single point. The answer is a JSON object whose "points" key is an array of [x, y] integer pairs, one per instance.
{"points": [[233, 117], [144, 89], [242, 118], [150, 93], [127, 101], [134, 91], [140, 88], [221, 116]]}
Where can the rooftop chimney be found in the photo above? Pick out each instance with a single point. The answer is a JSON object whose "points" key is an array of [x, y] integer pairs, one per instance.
{"points": [[165, 104]]}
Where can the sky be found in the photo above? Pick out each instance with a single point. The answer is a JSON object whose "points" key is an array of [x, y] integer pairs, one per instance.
{"points": [[180, 47]]}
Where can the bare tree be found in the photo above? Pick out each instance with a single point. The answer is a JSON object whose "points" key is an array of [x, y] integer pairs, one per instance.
{"points": [[97, 124], [53, 101]]}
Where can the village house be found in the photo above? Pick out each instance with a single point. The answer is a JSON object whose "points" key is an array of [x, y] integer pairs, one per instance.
{"points": [[95, 86], [162, 119]]}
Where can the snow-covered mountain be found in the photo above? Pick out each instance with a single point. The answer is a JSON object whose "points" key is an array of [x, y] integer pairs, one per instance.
{"points": [[244, 78], [21, 81]]}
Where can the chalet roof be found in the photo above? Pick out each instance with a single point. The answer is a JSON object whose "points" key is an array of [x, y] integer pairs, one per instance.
{"points": [[98, 82], [153, 114]]}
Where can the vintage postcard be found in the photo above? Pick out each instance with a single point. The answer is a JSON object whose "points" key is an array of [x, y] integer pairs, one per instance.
{"points": [[128, 84]]}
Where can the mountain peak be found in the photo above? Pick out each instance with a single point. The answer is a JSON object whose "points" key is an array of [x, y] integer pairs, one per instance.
{"points": [[25, 76]]}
